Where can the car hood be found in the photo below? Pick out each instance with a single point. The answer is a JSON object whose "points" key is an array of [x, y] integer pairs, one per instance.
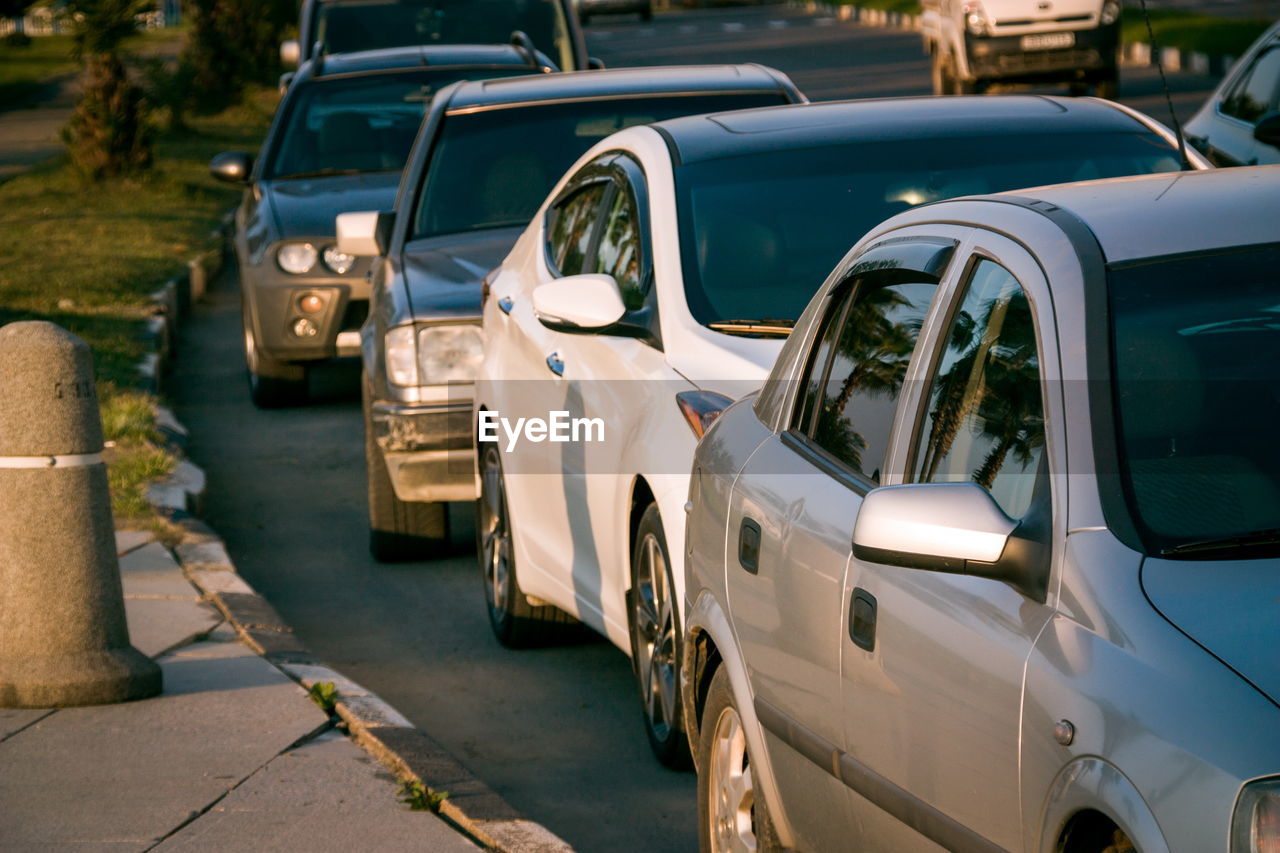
{"points": [[1230, 607], [307, 207], [727, 364], [442, 274], [1020, 10]]}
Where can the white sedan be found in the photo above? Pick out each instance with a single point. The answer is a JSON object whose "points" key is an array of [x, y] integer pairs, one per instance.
{"points": [[657, 284]]}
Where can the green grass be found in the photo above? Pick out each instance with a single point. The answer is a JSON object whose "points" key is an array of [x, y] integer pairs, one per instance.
{"points": [[25, 71], [87, 257], [1192, 31]]}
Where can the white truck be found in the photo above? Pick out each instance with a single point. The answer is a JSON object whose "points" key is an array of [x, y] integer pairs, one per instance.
{"points": [[975, 43]]}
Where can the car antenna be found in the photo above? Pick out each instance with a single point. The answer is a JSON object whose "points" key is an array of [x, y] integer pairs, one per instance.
{"points": [[520, 41], [1164, 81]]}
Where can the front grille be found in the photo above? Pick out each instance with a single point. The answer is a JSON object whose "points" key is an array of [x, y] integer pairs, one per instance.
{"points": [[1026, 22], [1044, 60]]}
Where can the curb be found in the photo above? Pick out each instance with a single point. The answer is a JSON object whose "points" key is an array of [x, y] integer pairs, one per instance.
{"points": [[1134, 54], [382, 731]]}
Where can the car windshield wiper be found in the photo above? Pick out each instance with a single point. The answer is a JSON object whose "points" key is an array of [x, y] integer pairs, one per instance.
{"points": [[318, 173], [768, 326], [1252, 539]]}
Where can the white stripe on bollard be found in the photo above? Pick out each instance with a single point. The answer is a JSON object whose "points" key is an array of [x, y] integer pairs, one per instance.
{"points": [[78, 460]]}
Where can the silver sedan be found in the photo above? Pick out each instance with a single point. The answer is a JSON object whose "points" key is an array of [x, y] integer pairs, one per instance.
{"points": [[992, 560]]}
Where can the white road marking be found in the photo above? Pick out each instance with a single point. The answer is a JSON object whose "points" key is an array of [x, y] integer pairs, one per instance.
{"points": [[687, 28], [823, 22], [733, 27], [779, 25], [646, 31]]}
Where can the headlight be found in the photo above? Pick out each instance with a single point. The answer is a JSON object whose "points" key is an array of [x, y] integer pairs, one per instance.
{"points": [[296, 258], [975, 18], [433, 355], [1110, 12], [339, 262], [1255, 826], [402, 359], [449, 353]]}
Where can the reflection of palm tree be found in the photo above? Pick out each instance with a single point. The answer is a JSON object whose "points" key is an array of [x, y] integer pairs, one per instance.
{"points": [[875, 350], [997, 381]]}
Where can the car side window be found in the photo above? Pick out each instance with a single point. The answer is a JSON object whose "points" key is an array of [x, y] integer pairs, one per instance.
{"points": [[984, 421], [569, 228], [851, 388], [1255, 95], [619, 251]]}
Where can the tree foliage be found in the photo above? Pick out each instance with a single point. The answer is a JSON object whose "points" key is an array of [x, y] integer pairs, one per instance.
{"points": [[232, 43], [108, 134]]}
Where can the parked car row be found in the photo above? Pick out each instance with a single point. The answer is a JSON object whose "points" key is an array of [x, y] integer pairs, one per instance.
{"points": [[969, 544]]}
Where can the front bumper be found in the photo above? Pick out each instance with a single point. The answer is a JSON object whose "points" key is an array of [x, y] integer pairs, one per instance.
{"points": [[428, 448], [273, 303], [1003, 57]]}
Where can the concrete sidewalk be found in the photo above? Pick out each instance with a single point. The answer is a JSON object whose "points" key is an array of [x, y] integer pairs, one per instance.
{"points": [[232, 756]]}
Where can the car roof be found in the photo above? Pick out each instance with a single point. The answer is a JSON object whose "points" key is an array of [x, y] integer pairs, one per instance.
{"points": [[414, 58], [616, 82], [711, 137], [1148, 216]]}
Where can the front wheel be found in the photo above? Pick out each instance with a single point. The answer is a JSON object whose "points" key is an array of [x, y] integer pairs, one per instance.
{"points": [[398, 530], [272, 384], [516, 623], [655, 646], [732, 816]]}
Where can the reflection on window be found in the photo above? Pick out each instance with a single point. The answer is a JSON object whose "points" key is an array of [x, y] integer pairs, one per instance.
{"points": [[986, 419], [1256, 93], [860, 389], [571, 229], [619, 251]]}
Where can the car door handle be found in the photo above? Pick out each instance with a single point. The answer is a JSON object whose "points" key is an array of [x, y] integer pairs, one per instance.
{"points": [[862, 619], [749, 546], [556, 364], [506, 303]]}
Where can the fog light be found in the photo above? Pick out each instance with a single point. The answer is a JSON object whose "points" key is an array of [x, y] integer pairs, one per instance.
{"points": [[304, 328], [339, 262], [311, 303]]}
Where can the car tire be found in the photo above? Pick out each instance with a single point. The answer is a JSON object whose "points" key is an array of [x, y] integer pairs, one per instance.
{"points": [[655, 642], [398, 530], [1108, 86], [272, 384], [725, 775], [516, 623], [646, 14]]}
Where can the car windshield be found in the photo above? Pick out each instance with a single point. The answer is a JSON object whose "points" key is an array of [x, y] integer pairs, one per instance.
{"points": [[493, 168], [1196, 344], [366, 123], [762, 231], [347, 26]]}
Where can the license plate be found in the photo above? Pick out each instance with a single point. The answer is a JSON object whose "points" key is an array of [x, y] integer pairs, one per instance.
{"points": [[1048, 41]]}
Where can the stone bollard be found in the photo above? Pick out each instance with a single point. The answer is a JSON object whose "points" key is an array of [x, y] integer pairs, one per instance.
{"points": [[63, 637]]}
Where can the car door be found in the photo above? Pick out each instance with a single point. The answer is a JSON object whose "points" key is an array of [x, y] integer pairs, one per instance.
{"points": [[791, 512], [1230, 140], [530, 386], [933, 662]]}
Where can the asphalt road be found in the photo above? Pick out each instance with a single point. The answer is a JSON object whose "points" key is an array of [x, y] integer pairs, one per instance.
{"points": [[556, 731]]}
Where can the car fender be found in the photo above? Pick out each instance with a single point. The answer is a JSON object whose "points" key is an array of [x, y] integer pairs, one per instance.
{"points": [[706, 616], [1091, 783]]}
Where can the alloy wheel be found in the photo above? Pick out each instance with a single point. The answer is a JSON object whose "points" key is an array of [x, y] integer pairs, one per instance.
{"points": [[655, 644], [732, 792], [495, 534]]}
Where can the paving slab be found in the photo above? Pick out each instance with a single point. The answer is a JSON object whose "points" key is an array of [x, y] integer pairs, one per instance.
{"points": [[16, 719], [151, 572], [328, 794], [158, 625], [228, 716], [128, 540]]}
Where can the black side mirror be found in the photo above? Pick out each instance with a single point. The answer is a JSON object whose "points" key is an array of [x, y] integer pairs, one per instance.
{"points": [[1267, 130], [232, 166]]}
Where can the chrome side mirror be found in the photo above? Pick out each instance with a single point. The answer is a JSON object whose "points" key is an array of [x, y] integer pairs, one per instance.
{"points": [[234, 167], [956, 528]]}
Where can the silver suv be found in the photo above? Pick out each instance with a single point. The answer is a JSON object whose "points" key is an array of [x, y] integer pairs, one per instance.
{"points": [[992, 561]]}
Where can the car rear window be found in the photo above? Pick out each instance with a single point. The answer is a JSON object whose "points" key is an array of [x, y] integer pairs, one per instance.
{"points": [[493, 168], [762, 231], [1195, 344]]}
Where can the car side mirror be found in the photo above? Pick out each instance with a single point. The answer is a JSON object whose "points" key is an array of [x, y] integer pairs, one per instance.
{"points": [[579, 303], [952, 527], [366, 234], [290, 52], [595, 63], [1267, 130], [282, 85], [233, 167]]}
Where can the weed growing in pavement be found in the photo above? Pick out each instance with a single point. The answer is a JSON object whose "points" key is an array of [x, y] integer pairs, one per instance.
{"points": [[324, 694], [420, 798]]}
